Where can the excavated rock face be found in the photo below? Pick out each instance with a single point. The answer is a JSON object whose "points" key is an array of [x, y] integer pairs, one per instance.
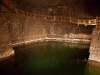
{"points": [[22, 29], [76, 8], [50, 7]]}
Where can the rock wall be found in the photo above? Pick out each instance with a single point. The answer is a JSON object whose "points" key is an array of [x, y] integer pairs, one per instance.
{"points": [[5, 40], [95, 45], [17, 29], [22, 28]]}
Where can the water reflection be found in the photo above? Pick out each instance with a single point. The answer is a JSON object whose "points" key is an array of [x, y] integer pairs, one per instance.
{"points": [[49, 58]]}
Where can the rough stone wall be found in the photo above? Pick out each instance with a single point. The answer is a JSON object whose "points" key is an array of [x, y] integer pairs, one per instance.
{"points": [[22, 28], [84, 8], [16, 29], [95, 46], [5, 40], [35, 6]]}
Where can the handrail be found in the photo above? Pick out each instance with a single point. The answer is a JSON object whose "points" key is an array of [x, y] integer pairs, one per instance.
{"points": [[45, 17]]}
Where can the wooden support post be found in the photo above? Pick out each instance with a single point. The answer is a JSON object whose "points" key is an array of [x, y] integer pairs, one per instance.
{"points": [[70, 19], [54, 18], [97, 22]]}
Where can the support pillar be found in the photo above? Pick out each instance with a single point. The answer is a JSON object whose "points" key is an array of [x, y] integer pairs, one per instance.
{"points": [[97, 22], [95, 45]]}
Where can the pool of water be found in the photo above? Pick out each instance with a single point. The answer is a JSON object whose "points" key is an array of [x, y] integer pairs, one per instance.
{"points": [[49, 58]]}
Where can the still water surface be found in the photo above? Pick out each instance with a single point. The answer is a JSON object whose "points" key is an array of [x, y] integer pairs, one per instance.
{"points": [[49, 58]]}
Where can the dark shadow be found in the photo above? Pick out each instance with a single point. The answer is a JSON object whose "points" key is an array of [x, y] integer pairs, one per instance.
{"points": [[91, 7]]}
